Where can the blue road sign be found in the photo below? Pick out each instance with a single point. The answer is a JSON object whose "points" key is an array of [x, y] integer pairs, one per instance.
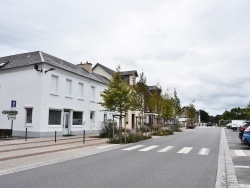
{"points": [[13, 104]]}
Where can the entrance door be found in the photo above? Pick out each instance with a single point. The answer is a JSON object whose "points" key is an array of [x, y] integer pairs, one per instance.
{"points": [[66, 123]]}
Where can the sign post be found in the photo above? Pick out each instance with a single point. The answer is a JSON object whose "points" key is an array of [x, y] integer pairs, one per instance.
{"points": [[11, 114]]}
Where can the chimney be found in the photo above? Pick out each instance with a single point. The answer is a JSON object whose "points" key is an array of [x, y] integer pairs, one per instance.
{"points": [[87, 66]]}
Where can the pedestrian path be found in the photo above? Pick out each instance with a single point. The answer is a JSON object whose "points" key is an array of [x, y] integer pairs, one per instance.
{"points": [[159, 149]]}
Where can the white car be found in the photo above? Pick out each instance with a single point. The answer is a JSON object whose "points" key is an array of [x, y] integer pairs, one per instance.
{"points": [[229, 125]]}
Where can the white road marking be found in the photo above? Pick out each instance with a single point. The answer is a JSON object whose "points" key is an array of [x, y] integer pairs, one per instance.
{"points": [[166, 149], [133, 147], [241, 166], [185, 150], [239, 153], [244, 185], [107, 146], [204, 151], [148, 148]]}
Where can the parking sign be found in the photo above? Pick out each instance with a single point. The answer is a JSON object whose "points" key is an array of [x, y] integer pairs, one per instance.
{"points": [[13, 104]]}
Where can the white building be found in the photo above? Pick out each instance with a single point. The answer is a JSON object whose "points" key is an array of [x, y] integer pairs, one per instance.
{"points": [[51, 95]]}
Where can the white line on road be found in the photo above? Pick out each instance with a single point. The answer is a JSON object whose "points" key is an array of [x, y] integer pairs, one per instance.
{"points": [[148, 148], [239, 153], [204, 151], [166, 149], [133, 147], [107, 146], [185, 150], [241, 166]]}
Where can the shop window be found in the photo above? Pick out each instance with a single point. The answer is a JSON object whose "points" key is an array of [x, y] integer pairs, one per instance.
{"points": [[77, 118]]}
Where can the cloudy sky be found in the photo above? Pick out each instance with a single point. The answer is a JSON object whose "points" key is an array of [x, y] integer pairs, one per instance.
{"points": [[201, 48]]}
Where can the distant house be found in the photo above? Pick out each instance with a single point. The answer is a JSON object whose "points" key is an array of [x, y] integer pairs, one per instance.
{"points": [[51, 95], [130, 76]]}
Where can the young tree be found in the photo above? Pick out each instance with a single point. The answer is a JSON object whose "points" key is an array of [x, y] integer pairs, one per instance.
{"points": [[140, 96], [191, 112], [117, 97], [167, 107], [177, 105]]}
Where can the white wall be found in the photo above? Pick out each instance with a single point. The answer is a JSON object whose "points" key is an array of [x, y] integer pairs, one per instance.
{"points": [[31, 88]]}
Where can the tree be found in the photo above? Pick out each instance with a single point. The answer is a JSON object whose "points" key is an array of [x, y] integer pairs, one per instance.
{"points": [[204, 116], [117, 97], [167, 107], [248, 111], [191, 112], [155, 102], [177, 105], [140, 96]]}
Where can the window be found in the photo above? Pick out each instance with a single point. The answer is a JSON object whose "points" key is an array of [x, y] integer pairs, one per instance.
{"points": [[92, 115], [77, 118], [54, 84], [54, 117], [68, 88], [92, 94], [28, 115], [80, 90], [105, 118]]}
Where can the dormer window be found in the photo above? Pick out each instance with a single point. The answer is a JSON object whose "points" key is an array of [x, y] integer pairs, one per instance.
{"points": [[2, 64]]}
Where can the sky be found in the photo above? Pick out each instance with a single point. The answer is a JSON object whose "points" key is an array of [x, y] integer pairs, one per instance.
{"points": [[200, 48]]}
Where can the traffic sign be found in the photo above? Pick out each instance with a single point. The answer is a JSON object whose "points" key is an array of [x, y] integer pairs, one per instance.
{"points": [[11, 116], [13, 104], [10, 112]]}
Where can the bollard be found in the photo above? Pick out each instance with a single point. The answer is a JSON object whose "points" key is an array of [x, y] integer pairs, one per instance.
{"points": [[84, 136], [26, 135], [55, 136]]}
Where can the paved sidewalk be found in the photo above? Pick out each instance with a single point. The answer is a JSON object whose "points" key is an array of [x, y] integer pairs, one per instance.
{"points": [[17, 155]]}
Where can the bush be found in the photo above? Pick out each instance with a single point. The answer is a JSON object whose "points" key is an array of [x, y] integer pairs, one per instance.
{"points": [[107, 129], [190, 127], [162, 133], [130, 138]]}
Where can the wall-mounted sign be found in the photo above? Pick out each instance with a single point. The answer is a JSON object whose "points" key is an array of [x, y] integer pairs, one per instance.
{"points": [[10, 112], [13, 104]]}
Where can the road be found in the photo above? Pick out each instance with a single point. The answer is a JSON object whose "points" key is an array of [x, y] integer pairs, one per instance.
{"points": [[187, 159]]}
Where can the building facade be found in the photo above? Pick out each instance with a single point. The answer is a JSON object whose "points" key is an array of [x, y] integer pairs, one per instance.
{"points": [[50, 94]]}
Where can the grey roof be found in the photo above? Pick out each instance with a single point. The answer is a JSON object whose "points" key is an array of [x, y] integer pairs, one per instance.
{"points": [[153, 88], [108, 70], [32, 58], [111, 72]]}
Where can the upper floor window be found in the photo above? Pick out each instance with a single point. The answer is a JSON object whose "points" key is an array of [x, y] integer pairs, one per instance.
{"points": [[68, 87], [92, 93], [54, 84], [80, 90]]}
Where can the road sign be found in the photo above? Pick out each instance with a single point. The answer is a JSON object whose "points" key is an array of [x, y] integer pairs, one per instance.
{"points": [[13, 104], [10, 112], [11, 117]]}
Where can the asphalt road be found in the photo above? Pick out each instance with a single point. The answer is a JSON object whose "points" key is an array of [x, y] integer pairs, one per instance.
{"points": [[187, 159]]}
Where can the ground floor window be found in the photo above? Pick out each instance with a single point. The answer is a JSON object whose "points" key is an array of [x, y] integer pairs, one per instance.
{"points": [[54, 117], [77, 118], [29, 115], [92, 115]]}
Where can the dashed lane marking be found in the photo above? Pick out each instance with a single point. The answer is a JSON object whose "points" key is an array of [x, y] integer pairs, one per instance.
{"points": [[166, 149], [239, 153], [204, 151], [185, 150], [241, 166], [133, 147], [148, 148]]}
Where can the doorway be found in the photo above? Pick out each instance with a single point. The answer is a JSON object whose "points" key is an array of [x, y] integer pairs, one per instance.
{"points": [[66, 123]]}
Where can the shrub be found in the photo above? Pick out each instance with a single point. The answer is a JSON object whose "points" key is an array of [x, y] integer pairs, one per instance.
{"points": [[130, 138], [107, 129], [162, 133]]}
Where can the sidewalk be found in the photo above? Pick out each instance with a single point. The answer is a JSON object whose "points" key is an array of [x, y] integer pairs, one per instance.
{"points": [[17, 155]]}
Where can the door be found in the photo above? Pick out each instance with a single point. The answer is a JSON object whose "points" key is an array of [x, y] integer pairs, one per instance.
{"points": [[66, 123]]}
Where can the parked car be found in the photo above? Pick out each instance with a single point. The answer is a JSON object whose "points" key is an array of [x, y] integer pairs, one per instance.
{"points": [[246, 136], [209, 124], [242, 129]]}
